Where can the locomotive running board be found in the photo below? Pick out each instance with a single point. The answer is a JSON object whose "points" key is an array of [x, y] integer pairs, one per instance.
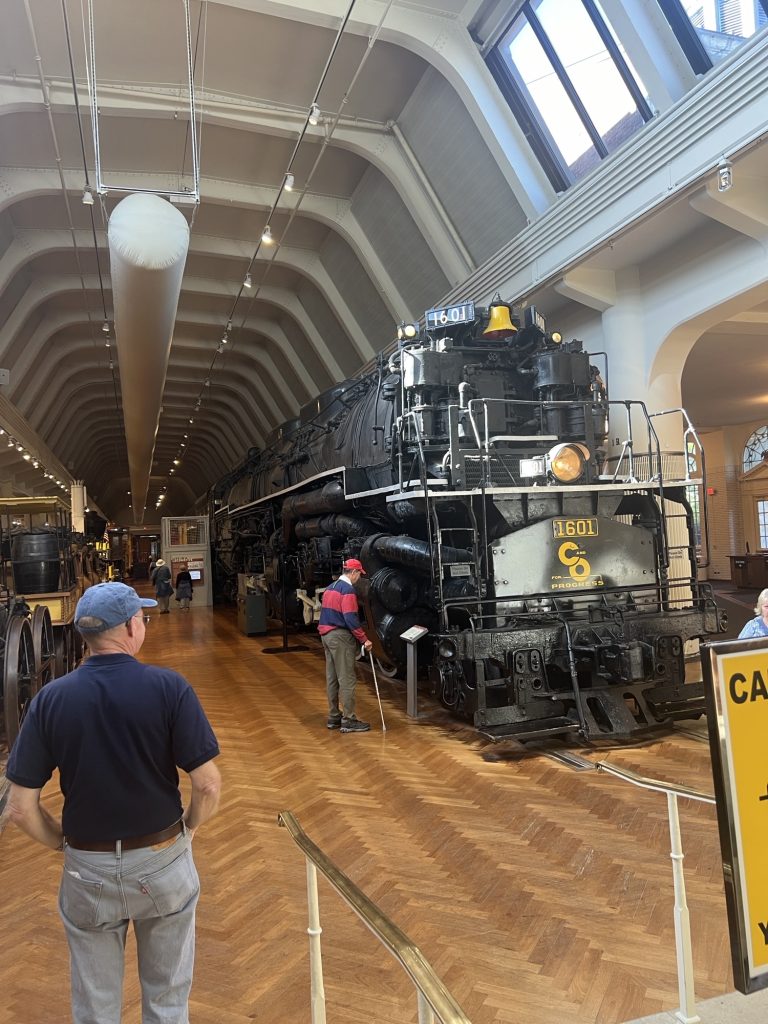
{"points": [[542, 729]]}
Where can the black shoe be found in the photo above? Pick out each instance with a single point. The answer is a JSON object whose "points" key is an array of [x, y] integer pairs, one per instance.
{"points": [[354, 725], [333, 723]]}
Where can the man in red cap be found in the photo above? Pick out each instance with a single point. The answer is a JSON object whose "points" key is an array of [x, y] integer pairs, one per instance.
{"points": [[341, 632]]}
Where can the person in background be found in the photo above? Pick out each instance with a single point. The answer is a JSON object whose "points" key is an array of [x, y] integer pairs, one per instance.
{"points": [[161, 577], [116, 730], [341, 632], [759, 625], [184, 589]]}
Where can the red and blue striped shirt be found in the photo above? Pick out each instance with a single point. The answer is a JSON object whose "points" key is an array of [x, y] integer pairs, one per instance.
{"points": [[339, 610]]}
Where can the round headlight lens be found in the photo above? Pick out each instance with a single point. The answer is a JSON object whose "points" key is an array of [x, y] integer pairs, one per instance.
{"points": [[567, 461], [447, 650]]}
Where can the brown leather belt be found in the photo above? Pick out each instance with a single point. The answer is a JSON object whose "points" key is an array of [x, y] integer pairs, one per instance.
{"points": [[134, 843]]}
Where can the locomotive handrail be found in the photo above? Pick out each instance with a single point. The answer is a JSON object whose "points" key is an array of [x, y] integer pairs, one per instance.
{"points": [[433, 996], [691, 432], [411, 415]]}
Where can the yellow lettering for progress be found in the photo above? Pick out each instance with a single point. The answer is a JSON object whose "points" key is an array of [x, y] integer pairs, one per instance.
{"points": [[572, 555]]}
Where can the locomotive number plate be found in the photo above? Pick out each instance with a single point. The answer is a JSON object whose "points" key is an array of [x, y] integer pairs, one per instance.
{"points": [[562, 528], [450, 315]]}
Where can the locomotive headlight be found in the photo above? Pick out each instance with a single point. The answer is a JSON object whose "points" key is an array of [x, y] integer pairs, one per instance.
{"points": [[566, 462], [447, 650], [405, 332]]}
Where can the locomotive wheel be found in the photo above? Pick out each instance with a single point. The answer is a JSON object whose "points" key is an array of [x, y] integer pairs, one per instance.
{"points": [[64, 644], [18, 675], [42, 642]]}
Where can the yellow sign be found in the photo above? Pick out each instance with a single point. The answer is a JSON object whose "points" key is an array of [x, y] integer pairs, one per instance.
{"points": [[741, 733]]}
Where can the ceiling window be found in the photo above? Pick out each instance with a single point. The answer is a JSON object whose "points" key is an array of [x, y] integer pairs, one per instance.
{"points": [[570, 84], [708, 30]]}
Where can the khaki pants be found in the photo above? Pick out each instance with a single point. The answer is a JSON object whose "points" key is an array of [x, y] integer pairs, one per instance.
{"points": [[340, 652]]}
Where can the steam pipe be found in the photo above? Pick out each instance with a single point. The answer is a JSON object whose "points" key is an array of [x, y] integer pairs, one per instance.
{"points": [[406, 551]]}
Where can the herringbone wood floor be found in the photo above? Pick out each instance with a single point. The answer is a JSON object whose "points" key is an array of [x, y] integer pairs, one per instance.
{"points": [[539, 895]]}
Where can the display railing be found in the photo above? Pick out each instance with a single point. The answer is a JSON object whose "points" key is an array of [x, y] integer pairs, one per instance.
{"points": [[435, 1003]]}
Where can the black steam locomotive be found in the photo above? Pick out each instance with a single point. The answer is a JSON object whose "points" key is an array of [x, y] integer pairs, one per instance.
{"points": [[470, 474]]}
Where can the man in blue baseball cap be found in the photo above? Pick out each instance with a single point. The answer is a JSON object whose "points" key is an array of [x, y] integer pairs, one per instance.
{"points": [[117, 730]]}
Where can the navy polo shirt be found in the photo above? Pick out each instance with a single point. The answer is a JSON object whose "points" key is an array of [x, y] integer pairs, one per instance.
{"points": [[117, 730]]}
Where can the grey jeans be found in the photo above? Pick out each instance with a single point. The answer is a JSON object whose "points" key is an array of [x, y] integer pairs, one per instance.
{"points": [[100, 893], [340, 679]]}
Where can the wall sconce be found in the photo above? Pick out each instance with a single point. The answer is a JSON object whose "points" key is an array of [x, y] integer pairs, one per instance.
{"points": [[724, 175]]}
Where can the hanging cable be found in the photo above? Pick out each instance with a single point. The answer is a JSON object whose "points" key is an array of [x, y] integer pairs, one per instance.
{"points": [[326, 140], [110, 361]]}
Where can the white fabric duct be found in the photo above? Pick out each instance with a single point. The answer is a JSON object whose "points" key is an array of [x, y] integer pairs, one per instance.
{"points": [[148, 243]]}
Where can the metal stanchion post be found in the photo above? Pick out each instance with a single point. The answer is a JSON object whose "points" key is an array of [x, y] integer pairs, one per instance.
{"points": [[687, 1012], [412, 637], [284, 606], [317, 988]]}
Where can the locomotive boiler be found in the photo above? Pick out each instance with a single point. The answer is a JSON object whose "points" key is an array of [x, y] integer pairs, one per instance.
{"points": [[470, 473]]}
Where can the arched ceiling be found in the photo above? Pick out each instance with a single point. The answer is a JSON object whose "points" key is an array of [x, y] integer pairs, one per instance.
{"points": [[417, 184], [370, 242]]}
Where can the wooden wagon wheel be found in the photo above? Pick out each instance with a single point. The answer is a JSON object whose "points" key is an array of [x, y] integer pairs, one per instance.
{"points": [[45, 651], [64, 643], [18, 675]]}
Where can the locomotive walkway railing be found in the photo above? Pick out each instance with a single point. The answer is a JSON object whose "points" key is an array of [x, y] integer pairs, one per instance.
{"points": [[687, 1012], [435, 1003]]}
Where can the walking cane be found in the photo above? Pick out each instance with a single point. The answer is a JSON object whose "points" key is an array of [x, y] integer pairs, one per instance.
{"points": [[376, 684]]}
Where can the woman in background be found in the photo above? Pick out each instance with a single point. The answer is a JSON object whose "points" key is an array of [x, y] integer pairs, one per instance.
{"points": [[759, 625], [184, 589], [161, 577]]}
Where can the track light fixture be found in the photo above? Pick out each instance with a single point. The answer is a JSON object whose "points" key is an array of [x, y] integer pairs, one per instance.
{"points": [[87, 197], [724, 175], [105, 327], [247, 283], [224, 339], [266, 235], [289, 182], [314, 114]]}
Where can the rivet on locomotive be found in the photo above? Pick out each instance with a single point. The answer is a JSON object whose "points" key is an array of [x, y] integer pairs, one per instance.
{"points": [[470, 472]]}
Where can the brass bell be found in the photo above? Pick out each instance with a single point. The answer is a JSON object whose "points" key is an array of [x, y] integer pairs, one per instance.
{"points": [[499, 321]]}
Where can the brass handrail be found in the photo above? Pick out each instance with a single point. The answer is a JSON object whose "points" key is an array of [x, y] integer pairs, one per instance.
{"points": [[410, 957]]}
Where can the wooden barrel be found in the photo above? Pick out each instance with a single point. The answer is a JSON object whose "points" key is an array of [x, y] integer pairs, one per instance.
{"points": [[35, 559]]}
